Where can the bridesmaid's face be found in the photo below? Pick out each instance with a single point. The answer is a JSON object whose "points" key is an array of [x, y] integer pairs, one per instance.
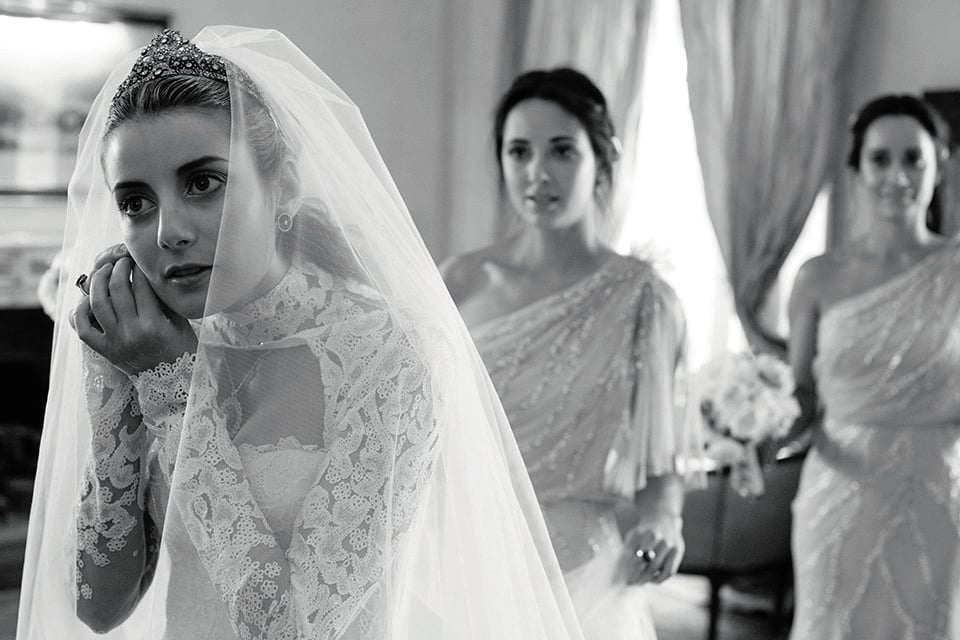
{"points": [[898, 167], [548, 164]]}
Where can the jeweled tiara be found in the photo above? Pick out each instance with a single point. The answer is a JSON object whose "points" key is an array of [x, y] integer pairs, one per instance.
{"points": [[170, 54]]}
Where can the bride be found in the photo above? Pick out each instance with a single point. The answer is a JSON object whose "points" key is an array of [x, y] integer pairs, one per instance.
{"points": [[266, 419]]}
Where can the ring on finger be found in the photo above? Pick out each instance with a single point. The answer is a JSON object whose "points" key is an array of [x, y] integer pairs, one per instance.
{"points": [[646, 555], [81, 281]]}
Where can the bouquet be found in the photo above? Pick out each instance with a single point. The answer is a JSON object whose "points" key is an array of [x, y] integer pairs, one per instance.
{"points": [[746, 400]]}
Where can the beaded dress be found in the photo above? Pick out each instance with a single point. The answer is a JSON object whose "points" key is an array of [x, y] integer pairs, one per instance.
{"points": [[591, 379], [876, 534]]}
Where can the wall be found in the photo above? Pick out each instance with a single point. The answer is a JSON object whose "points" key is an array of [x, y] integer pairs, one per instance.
{"points": [[906, 46], [388, 55]]}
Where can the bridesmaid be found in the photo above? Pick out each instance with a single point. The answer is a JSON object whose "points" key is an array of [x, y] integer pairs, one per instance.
{"points": [[875, 341], [585, 348]]}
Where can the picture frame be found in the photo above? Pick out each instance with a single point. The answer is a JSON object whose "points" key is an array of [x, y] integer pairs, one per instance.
{"points": [[54, 58], [947, 103]]}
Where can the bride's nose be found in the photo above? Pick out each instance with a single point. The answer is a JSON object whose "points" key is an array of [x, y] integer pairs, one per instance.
{"points": [[175, 230]]}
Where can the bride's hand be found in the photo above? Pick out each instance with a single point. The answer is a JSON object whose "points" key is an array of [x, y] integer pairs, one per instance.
{"points": [[653, 549], [133, 330]]}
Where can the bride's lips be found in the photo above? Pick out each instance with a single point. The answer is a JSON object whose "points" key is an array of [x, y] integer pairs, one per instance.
{"points": [[186, 275]]}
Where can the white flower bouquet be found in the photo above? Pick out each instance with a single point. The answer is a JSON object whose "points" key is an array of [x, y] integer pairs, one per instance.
{"points": [[746, 400]]}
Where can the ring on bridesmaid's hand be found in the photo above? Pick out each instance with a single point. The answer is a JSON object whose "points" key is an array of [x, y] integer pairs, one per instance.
{"points": [[646, 555], [82, 280]]}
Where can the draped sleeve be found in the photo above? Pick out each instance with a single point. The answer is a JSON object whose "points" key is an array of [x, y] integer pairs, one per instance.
{"points": [[662, 434]]}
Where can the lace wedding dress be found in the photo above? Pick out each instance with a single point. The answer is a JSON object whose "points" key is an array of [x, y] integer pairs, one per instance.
{"points": [[246, 509], [332, 461]]}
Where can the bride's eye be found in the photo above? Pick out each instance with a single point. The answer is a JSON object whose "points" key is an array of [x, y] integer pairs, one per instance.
{"points": [[134, 205], [205, 184]]}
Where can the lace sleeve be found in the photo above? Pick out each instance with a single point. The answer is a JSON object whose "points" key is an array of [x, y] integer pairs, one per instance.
{"points": [[116, 541], [379, 435]]}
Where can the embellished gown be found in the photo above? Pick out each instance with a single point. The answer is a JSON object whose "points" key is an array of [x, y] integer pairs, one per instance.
{"points": [[591, 379], [876, 535]]}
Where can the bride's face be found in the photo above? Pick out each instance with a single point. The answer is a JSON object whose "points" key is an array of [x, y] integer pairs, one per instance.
{"points": [[549, 167], [898, 167], [168, 174]]}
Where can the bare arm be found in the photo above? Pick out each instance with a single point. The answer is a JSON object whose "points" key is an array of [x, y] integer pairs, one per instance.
{"points": [[658, 505], [804, 314]]}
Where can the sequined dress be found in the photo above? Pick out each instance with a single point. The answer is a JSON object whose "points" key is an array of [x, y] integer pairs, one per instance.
{"points": [[876, 535], [591, 379]]}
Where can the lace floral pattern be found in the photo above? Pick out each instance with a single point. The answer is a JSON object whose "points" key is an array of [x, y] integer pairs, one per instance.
{"points": [[163, 391], [378, 438], [111, 504]]}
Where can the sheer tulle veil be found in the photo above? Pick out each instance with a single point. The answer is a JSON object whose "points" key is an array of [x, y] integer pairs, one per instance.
{"points": [[449, 541]]}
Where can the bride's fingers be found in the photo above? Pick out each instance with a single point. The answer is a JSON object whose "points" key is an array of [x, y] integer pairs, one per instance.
{"points": [[110, 255], [147, 301], [99, 298], [121, 295], [82, 324]]}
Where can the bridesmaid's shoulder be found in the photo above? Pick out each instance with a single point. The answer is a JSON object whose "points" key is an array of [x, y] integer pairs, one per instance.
{"points": [[646, 272], [823, 267], [653, 287], [464, 274], [820, 275]]}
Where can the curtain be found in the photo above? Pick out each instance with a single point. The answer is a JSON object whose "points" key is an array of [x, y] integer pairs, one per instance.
{"points": [[605, 40], [767, 93]]}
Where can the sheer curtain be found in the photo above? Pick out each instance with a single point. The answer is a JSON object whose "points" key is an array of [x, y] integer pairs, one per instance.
{"points": [[766, 83], [607, 41], [667, 221]]}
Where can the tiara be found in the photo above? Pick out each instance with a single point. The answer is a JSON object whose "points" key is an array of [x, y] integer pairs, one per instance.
{"points": [[170, 54]]}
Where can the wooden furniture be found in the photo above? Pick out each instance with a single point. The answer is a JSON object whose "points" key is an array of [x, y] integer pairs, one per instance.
{"points": [[727, 535], [25, 341]]}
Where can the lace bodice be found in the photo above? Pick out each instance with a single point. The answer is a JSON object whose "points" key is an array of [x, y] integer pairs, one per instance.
{"points": [[292, 515]]}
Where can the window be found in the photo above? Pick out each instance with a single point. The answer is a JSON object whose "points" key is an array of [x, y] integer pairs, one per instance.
{"points": [[667, 221]]}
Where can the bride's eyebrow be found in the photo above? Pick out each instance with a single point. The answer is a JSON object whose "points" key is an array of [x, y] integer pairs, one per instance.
{"points": [[199, 162], [130, 184]]}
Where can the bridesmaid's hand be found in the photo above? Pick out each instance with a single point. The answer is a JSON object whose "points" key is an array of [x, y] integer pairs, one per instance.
{"points": [[123, 320], [653, 549]]}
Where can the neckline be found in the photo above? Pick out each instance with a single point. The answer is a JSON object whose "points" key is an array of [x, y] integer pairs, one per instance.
{"points": [[873, 291], [585, 283]]}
